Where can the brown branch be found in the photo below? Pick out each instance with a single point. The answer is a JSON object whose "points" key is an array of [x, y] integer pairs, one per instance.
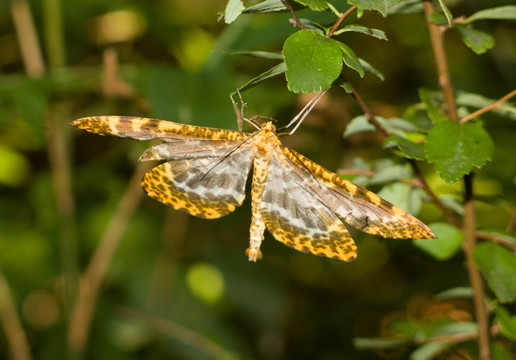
{"points": [[436, 37], [91, 280], [342, 16], [489, 107], [295, 20]]}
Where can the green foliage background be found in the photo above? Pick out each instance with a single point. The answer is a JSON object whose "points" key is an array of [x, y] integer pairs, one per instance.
{"points": [[192, 273]]}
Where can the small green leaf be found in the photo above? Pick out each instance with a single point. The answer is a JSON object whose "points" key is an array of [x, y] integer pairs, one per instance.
{"points": [[258, 54], [206, 282], [377, 344], [14, 167], [478, 41], [312, 61], [507, 323], [379, 34], [457, 148], [350, 59], [391, 173], [429, 350], [403, 196], [500, 13], [455, 293], [431, 106], [408, 148], [381, 6], [371, 69], [233, 10], [447, 243], [498, 265], [276, 70], [462, 327], [317, 5], [266, 6]]}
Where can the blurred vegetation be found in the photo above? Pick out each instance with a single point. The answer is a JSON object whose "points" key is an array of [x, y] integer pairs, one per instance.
{"points": [[177, 287]]}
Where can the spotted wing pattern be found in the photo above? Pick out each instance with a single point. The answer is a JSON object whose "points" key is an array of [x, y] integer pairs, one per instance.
{"points": [[208, 187], [362, 209], [298, 219]]}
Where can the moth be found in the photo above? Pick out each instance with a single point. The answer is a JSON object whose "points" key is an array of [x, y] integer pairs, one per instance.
{"points": [[302, 204]]}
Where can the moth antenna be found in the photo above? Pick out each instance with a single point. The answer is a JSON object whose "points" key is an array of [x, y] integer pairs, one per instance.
{"points": [[304, 112], [239, 111]]}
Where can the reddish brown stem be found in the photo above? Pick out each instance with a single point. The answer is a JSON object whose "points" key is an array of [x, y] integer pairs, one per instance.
{"points": [[342, 16]]}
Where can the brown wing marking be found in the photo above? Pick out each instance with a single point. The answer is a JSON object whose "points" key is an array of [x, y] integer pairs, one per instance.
{"points": [[358, 207], [146, 129], [297, 219], [204, 187]]}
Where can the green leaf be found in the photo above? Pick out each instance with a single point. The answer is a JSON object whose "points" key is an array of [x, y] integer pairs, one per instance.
{"points": [[312, 61], [447, 243], [379, 5], [350, 59], [379, 34], [233, 10], [429, 350], [455, 293], [408, 148], [407, 7], [457, 148], [276, 70], [317, 5], [500, 13], [14, 167], [404, 196], [431, 106], [507, 323], [396, 126], [258, 54], [377, 344], [478, 41], [462, 327], [498, 265], [371, 69], [266, 6], [391, 173]]}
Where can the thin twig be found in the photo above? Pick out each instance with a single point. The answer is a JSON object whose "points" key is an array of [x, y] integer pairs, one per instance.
{"points": [[90, 283], [179, 332], [342, 16], [489, 107], [497, 239], [295, 20], [11, 324]]}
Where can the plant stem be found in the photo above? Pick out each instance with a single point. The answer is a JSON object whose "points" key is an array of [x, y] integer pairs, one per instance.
{"points": [[436, 38]]}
